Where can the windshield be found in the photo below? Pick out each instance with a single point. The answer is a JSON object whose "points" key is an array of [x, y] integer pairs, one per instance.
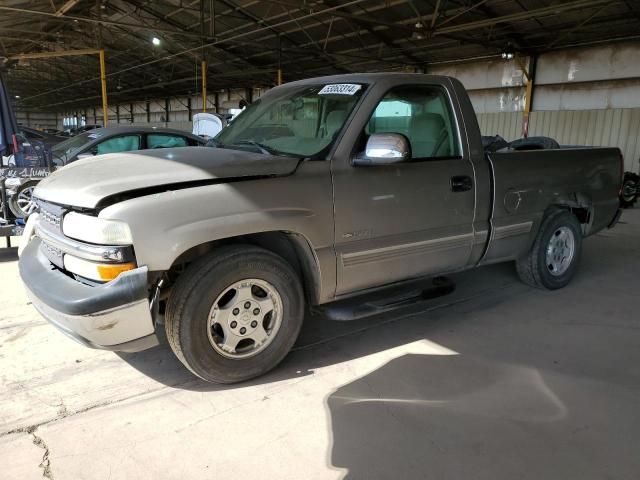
{"points": [[302, 120], [64, 151]]}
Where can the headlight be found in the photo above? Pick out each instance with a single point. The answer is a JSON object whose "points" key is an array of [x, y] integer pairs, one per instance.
{"points": [[96, 230]]}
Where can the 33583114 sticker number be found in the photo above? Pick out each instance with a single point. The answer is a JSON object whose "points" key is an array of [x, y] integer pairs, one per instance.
{"points": [[340, 89]]}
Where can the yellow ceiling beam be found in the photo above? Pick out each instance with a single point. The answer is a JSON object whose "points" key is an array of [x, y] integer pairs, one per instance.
{"points": [[66, 7], [59, 53]]}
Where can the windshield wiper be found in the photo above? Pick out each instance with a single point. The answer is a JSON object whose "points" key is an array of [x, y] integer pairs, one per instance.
{"points": [[260, 146]]}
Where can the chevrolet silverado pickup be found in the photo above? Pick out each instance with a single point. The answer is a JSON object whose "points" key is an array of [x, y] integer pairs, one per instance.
{"points": [[321, 191]]}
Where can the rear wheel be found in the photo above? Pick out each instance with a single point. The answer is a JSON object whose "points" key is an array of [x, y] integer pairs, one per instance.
{"points": [[553, 259], [235, 315]]}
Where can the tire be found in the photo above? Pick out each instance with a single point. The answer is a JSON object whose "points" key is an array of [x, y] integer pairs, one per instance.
{"points": [[629, 194], [493, 144], [20, 203], [542, 268], [535, 143], [209, 288]]}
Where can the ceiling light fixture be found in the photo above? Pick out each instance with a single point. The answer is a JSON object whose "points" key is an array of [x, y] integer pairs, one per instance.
{"points": [[419, 32], [155, 41], [509, 52]]}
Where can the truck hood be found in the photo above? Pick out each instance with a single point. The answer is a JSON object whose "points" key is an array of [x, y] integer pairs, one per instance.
{"points": [[85, 183]]}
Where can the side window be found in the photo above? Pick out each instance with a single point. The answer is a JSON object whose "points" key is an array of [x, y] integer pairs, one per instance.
{"points": [[165, 141], [421, 113], [126, 143]]}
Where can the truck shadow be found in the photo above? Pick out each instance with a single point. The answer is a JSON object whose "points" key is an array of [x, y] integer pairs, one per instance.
{"points": [[539, 387], [466, 416], [544, 385]]}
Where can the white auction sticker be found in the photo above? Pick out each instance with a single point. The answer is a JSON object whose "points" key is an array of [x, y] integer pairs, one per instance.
{"points": [[340, 89]]}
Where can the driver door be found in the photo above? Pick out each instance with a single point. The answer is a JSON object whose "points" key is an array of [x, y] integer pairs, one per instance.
{"points": [[411, 219]]}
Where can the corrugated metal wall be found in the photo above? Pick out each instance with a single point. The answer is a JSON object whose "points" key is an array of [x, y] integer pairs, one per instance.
{"points": [[618, 127], [506, 124], [583, 96]]}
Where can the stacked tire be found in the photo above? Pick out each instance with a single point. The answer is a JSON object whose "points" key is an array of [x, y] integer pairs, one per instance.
{"points": [[630, 185]]}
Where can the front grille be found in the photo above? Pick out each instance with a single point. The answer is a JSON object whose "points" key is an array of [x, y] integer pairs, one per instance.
{"points": [[54, 254], [50, 213], [50, 218]]}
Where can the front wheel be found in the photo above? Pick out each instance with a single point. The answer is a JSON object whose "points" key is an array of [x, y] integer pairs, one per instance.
{"points": [[235, 315], [553, 259]]}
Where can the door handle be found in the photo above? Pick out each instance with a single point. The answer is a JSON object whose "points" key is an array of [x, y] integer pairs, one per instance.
{"points": [[461, 183]]}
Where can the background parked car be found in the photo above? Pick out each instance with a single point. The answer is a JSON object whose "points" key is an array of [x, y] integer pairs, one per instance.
{"points": [[84, 128], [47, 139], [98, 142], [53, 131], [120, 139]]}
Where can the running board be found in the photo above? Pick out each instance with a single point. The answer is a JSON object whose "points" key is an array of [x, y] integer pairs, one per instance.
{"points": [[388, 299]]}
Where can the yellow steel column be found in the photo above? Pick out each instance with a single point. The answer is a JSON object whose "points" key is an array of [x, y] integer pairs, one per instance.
{"points": [[279, 78], [529, 71], [527, 107], [204, 85], [103, 81]]}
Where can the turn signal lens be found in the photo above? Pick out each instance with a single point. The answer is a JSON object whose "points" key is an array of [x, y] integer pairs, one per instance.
{"points": [[109, 272], [103, 272]]}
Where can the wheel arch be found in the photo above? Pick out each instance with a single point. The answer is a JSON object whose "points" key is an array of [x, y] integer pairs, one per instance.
{"points": [[580, 204], [293, 247]]}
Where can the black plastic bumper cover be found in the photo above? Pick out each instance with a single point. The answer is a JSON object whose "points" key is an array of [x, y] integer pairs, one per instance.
{"points": [[71, 297]]}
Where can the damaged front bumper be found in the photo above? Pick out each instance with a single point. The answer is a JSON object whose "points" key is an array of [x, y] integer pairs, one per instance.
{"points": [[113, 316]]}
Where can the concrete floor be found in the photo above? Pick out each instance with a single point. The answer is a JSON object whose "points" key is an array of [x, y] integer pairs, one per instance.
{"points": [[496, 381]]}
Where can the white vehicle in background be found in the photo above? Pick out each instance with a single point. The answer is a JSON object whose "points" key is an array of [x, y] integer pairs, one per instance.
{"points": [[234, 112], [207, 125]]}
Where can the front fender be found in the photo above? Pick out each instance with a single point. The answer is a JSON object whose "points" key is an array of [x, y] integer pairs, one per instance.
{"points": [[167, 224]]}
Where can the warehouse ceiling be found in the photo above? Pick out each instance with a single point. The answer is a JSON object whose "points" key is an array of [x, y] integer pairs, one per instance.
{"points": [[246, 41]]}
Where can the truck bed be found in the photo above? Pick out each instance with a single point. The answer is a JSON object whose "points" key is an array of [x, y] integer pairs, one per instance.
{"points": [[525, 183]]}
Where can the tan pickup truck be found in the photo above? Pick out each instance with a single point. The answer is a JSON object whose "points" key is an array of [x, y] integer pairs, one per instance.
{"points": [[322, 190]]}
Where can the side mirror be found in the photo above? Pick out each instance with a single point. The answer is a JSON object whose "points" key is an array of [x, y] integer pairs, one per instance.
{"points": [[385, 149]]}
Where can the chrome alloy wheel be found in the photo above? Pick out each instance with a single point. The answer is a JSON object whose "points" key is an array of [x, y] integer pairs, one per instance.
{"points": [[25, 201], [560, 251], [245, 318]]}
